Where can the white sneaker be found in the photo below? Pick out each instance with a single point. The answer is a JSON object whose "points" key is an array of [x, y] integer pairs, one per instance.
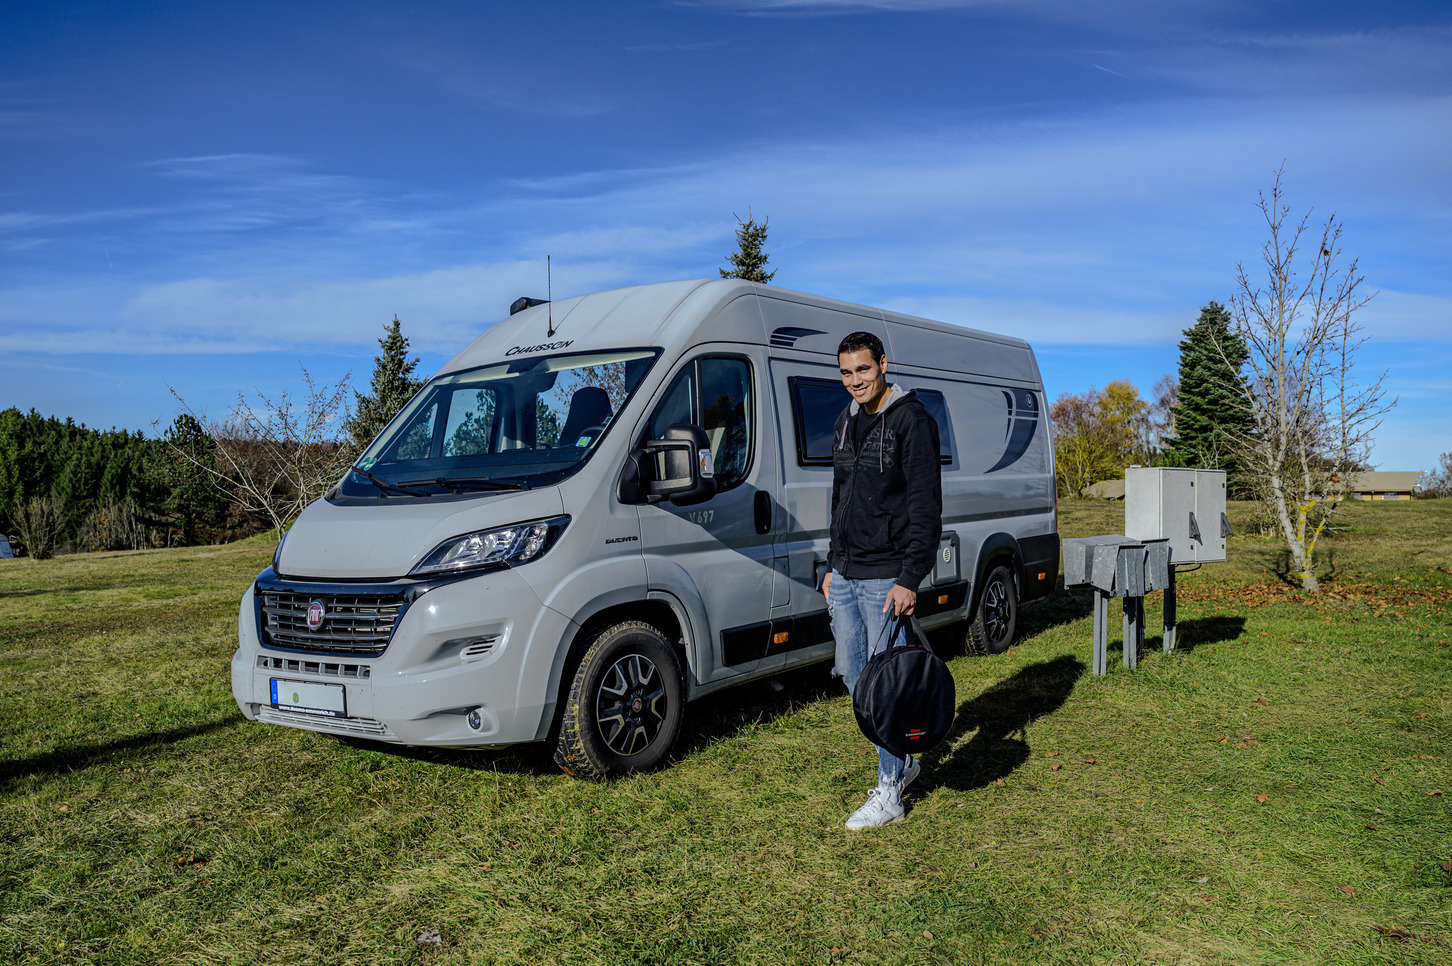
{"points": [[883, 807]]}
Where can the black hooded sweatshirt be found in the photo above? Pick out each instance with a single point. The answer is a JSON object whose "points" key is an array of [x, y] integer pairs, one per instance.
{"points": [[887, 496]]}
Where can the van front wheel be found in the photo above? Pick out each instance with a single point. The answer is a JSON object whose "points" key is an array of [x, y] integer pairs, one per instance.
{"points": [[996, 621], [625, 704]]}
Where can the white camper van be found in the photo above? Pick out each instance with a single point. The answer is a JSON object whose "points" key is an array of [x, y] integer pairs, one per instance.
{"points": [[608, 506]]}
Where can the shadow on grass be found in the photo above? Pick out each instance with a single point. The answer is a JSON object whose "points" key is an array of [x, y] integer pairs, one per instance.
{"points": [[1279, 563], [1000, 715], [1190, 634], [73, 758], [1061, 607]]}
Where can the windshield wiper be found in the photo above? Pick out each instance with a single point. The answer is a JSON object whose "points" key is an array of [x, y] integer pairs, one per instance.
{"points": [[402, 489], [483, 483]]}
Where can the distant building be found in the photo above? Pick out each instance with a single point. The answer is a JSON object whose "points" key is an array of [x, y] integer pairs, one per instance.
{"points": [[1390, 485]]}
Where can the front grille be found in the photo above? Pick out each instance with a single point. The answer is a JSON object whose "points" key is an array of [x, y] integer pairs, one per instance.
{"points": [[358, 727], [354, 624], [361, 672]]}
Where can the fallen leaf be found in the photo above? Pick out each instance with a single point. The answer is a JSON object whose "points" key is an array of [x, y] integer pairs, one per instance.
{"points": [[1053, 754], [1057, 765], [1259, 703], [1219, 741], [185, 860], [1262, 798], [1000, 782], [1371, 826], [1089, 761], [1377, 778], [1210, 898], [64, 809], [1447, 866], [1435, 791], [1400, 933], [1420, 714], [1203, 879], [927, 934], [1348, 890], [1425, 758]]}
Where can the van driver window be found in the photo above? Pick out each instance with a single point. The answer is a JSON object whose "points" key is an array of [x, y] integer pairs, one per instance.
{"points": [[714, 394]]}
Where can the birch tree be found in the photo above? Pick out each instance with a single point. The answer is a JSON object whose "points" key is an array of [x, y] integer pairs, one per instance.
{"points": [[1313, 422]]}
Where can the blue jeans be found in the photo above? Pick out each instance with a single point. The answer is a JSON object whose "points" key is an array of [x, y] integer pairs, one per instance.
{"points": [[857, 626]]}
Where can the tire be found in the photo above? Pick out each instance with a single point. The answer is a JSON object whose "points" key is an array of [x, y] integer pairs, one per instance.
{"points": [[995, 623], [625, 704]]}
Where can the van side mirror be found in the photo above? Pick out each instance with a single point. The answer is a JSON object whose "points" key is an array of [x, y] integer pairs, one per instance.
{"points": [[677, 468]]}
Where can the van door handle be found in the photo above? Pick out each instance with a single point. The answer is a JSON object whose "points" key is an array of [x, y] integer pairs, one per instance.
{"points": [[763, 511]]}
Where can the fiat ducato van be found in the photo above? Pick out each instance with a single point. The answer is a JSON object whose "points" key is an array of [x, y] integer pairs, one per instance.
{"points": [[609, 506]]}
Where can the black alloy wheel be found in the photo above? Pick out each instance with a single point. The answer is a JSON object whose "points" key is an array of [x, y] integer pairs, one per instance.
{"points": [[995, 622], [625, 704], [630, 705]]}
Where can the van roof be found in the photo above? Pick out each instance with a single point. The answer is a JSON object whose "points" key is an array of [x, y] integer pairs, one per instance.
{"points": [[666, 314]]}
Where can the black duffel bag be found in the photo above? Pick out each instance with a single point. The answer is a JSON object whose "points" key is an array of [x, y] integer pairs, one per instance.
{"points": [[905, 698]]}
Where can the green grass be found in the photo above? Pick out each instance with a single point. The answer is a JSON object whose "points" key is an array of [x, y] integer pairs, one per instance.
{"points": [[142, 820]]}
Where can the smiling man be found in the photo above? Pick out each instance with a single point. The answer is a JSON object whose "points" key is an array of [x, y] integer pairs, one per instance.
{"points": [[887, 509]]}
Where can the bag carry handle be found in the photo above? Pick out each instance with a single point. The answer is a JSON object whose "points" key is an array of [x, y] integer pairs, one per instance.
{"points": [[912, 621]]}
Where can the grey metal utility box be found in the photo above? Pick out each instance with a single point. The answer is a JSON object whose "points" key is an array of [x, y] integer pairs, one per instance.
{"points": [[1184, 506]]}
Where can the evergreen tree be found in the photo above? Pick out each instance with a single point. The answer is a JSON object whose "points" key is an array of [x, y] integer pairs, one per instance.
{"points": [[1211, 409], [391, 387], [749, 261], [187, 467]]}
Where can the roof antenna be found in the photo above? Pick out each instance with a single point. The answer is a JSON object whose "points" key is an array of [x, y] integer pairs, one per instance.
{"points": [[549, 298]]}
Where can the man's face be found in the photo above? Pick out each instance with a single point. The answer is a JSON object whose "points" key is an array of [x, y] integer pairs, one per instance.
{"points": [[864, 378]]}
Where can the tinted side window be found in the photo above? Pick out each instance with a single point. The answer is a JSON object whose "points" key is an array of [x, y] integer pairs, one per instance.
{"points": [[937, 407], [816, 404], [715, 394]]}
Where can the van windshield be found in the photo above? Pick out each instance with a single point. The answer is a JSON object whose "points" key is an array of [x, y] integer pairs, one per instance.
{"points": [[511, 425]]}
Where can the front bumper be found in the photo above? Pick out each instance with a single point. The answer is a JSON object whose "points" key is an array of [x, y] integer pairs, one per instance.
{"points": [[483, 644]]}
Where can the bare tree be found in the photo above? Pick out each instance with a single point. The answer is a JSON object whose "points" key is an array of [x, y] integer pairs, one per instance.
{"points": [[1313, 421], [274, 456], [1438, 482], [40, 521], [1164, 397]]}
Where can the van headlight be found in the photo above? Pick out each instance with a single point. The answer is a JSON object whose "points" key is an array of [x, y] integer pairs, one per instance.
{"points": [[506, 546]]}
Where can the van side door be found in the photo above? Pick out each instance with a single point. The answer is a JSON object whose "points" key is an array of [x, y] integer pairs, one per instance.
{"points": [[723, 549]]}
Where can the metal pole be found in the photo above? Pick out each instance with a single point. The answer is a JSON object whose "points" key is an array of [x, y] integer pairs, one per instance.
{"points": [[1169, 640], [1101, 632], [1133, 630]]}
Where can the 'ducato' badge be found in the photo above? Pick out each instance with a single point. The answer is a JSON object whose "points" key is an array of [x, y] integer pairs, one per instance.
{"points": [[316, 615]]}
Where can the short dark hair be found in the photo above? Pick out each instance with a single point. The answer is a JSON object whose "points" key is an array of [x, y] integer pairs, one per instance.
{"points": [[863, 340]]}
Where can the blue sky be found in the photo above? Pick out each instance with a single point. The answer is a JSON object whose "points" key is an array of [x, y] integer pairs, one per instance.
{"points": [[201, 198]]}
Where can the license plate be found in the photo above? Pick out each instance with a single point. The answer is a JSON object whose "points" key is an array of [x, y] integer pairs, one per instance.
{"points": [[302, 697]]}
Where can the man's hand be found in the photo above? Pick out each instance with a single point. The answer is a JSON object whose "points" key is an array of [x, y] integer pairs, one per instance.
{"points": [[827, 584], [900, 601]]}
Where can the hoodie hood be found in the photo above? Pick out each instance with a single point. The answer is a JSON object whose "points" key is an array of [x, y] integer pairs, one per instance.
{"points": [[895, 395]]}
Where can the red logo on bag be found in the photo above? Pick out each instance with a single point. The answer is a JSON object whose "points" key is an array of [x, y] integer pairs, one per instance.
{"points": [[915, 733]]}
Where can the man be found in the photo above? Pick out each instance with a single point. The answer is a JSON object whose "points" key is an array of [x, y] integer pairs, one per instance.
{"points": [[887, 509]]}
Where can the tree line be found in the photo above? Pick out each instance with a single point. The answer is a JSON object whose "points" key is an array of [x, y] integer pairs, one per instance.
{"points": [[66, 488]]}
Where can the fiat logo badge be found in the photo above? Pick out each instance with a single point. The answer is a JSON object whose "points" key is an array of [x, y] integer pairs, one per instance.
{"points": [[316, 615]]}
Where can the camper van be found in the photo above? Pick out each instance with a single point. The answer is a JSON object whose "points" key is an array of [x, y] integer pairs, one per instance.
{"points": [[608, 506]]}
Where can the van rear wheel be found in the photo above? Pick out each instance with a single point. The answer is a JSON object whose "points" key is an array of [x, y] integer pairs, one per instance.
{"points": [[996, 621], [625, 704]]}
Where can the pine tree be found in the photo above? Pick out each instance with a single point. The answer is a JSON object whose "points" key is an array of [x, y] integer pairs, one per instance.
{"points": [[1211, 408], [749, 261], [391, 387]]}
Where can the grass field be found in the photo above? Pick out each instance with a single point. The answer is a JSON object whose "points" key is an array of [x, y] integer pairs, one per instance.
{"points": [[1270, 793]]}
